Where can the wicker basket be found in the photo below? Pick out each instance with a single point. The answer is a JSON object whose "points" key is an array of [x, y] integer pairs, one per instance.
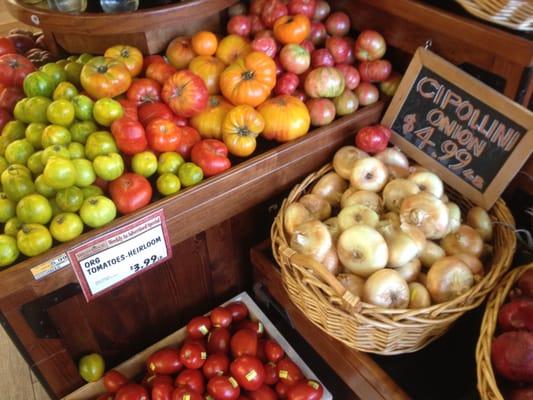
{"points": [[514, 14], [366, 327], [486, 382]]}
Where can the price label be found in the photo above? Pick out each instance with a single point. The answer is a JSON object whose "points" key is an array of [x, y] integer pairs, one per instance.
{"points": [[108, 261]]}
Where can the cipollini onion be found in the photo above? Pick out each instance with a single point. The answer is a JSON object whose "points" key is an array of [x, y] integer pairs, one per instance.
{"points": [[312, 239], [318, 207], [428, 182], [418, 296], [386, 288], [427, 213], [454, 217], [423, 278], [352, 283], [370, 199], [331, 261], [333, 227], [410, 271], [295, 214], [465, 240], [415, 234], [431, 253], [448, 278], [473, 263], [395, 191], [357, 214], [369, 174], [480, 220], [344, 159], [331, 187], [395, 160], [402, 249]]}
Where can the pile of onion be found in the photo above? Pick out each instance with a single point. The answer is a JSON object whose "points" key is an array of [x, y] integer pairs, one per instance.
{"points": [[389, 232]]}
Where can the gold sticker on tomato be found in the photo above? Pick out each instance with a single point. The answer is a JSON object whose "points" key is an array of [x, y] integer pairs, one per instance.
{"points": [[204, 330], [251, 375], [283, 374], [233, 382], [313, 384], [203, 355]]}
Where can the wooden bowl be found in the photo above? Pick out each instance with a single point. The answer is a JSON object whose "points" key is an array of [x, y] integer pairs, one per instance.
{"points": [[150, 30]]}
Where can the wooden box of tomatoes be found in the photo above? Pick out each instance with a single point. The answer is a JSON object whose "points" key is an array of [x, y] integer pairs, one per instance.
{"points": [[208, 372]]}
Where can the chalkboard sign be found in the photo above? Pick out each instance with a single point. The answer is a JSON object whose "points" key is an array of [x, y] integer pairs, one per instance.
{"points": [[473, 137]]}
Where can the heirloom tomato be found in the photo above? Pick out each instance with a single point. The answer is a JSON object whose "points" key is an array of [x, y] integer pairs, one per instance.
{"points": [[164, 362], [7, 208], [168, 184], [188, 138], [273, 10], [287, 82], [7, 46], [190, 174], [372, 139], [108, 166], [114, 380], [286, 118], [66, 226], [388, 86], [209, 122], [209, 69], [9, 96], [249, 80], [266, 45], [105, 77], [292, 29], [191, 379], [232, 47], [130, 192], [294, 58], [34, 209], [304, 7], [160, 72], [38, 84], [150, 111], [369, 45], [97, 211], [351, 75], [8, 250], [318, 33], [322, 58], [375, 71], [241, 126], [321, 111], [65, 90], [239, 25], [162, 135], [132, 391], [85, 175], [144, 90], [338, 24], [106, 111], [155, 58], [367, 93], [346, 103], [130, 56], [204, 43], [215, 365], [130, 109], [34, 239], [211, 155], [13, 69], [185, 93], [339, 49], [324, 82], [256, 6], [144, 163], [257, 26], [55, 72], [169, 162], [179, 52]]}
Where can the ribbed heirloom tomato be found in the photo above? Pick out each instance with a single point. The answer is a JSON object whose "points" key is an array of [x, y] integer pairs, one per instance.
{"points": [[129, 55], [209, 69], [105, 77], [185, 93], [209, 122], [160, 72], [129, 135], [130, 192], [286, 118], [13, 69], [211, 155], [162, 135], [240, 128], [144, 90], [292, 29]]}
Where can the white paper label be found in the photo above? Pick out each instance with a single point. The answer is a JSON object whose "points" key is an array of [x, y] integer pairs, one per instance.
{"points": [[55, 264]]}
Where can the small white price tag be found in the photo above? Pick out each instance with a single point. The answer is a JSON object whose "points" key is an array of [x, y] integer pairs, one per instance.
{"points": [[112, 259]]}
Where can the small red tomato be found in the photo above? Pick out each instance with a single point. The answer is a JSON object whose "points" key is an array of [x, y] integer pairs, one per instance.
{"points": [[223, 388], [165, 362], [288, 372], [211, 155], [192, 355], [162, 391], [185, 394], [198, 327], [152, 59], [218, 341], [144, 90], [130, 192], [244, 342], [220, 317], [338, 24], [216, 364], [367, 93], [371, 139], [266, 45], [191, 379], [162, 135], [239, 25], [305, 390], [256, 24], [286, 83], [351, 75], [150, 111], [130, 109], [271, 375], [281, 389], [129, 135], [114, 380], [339, 48], [263, 393], [304, 7], [154, 380], [322, 58], [255, 326], [238, 310], [308, 45], [375, 71], [273, 351], [131, 391], [248, 371], [188, 138]]}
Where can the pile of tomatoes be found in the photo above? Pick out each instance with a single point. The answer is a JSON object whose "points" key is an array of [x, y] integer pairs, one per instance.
{"points": [[226, 356]]}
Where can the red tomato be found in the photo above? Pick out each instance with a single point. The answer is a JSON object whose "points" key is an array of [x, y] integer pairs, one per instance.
{"points": [[13, 69], [281, 389], [305, 390], [254, 326], [288, 371], [155, 58], [5, 117], [165, 361], [371, 139], [180, 121], [150, 111], [322, 58], [185, 93], [160, 72], [129, 135], [220, 317], [238, 310], [144, 90], [263, 393], [257, 24], [162, 391], [185, 394], [130, 109], [188, 138], [154, 380], [265, 44], [286, 83], [131, 391], [9, 96], [370, 45], [130, 192], [218, 341], [273, 10], [114, 380], [273, 351], [162, 135], [244, 342], [248, 371], [6, 46], [223, 388], [271, 375], [191, 379], [192, 355], [375, 71], [200, 341], [216, 364], [198, 327], [211, 155], [351, 75], [239, 25]]}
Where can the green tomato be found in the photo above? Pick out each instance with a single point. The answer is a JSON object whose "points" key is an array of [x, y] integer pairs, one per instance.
{"points": [[15, 170], [59, 173], [76, 150], [38, 83], [108, 167], [36, 108], [19, 151], [69, 199], [168, 184], [72, 58], [55, 72], [169, 162], [91, 367], [61, 112], [18, 187], [85, 175], [34, 134], [97, 211], [56, 150], [190, 174], [19, 112], [66, 226], [91, 191], [3, 145], [43, 188], [65, 90], [14, 130], [8, 250], [7, 208], [35, 163], [62, 62], [3, 164], [34, 209], [12, 227], [144, 163], [33, 239], [55, 134], [73, 70], [83, 107], [99, 143], [80, 131], [84, 58], [55, 208], [106, 111]]}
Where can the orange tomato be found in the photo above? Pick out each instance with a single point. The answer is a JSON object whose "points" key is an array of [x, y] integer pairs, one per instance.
{"points": [[241, 126], [209, 69], [105, 77], [286, 118], [249, 80], [292, 29], [129, 55], [232, 47], [204, 43], [209, 121], [179, 52]]}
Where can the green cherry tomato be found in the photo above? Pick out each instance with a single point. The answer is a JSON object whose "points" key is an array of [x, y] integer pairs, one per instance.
{"points": [[19, 151], [34, 134], [91, 367], [8, 250], [66, 226], [35, 163], [99, 143], [97, 211], [109, 167], [144, 163], [69, 199], [168, 184], [55, 134], [55, 72], [81, 130], [36, 109], [56, 150], [169, 162], [85, 175], [7, 208], [65, 90], [190, 174], [34, 209], [38, 83], [107, 110], [14, 130], [43, 188], [33, 239], [19, 112], [76, 150], [83, 107], [61, 112], [12, 227], [59, 173]]}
